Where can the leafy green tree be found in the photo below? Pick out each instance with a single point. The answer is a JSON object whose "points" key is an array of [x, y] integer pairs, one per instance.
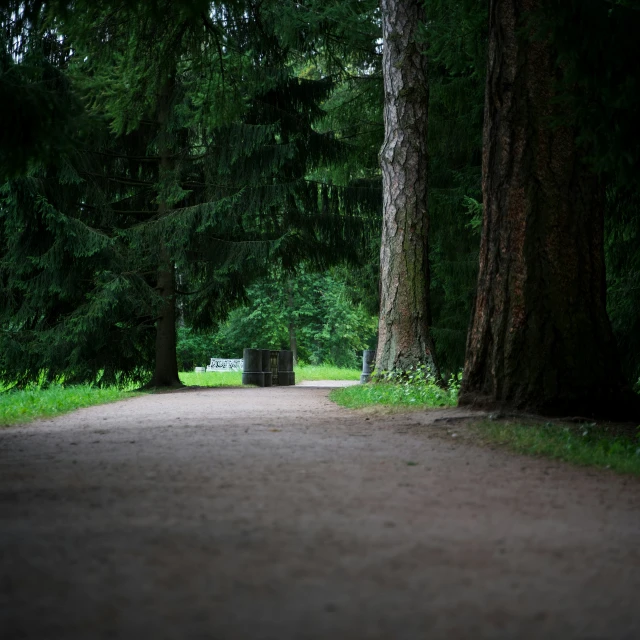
{"points": [[330, 327]]}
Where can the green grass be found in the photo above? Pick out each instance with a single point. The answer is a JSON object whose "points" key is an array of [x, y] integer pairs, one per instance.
{"points": [[587, 445], [234, 378], [212, 378], [325, 372], [386, 393], [29, 404]]}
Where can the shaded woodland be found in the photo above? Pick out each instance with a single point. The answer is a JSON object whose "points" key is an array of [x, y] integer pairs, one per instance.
{"points": [[467, 170]]}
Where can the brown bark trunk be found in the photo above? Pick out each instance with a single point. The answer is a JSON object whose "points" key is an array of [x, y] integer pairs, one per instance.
{"points": [[166, 366], [404, 338], [539, 338]]}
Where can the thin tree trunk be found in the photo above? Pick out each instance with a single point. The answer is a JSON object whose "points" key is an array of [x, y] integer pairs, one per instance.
{"points": [[404, 338], [539, 338], [293, 343], [166, 369], [166, 366]]}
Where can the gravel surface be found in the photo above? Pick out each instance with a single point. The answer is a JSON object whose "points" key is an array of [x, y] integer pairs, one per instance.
{"points": [[224, 514]]}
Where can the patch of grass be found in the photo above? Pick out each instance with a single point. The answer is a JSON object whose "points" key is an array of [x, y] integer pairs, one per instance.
{"points": [[212, 378], [29, 404], [592, 445], [234, 378], [325, 372], [424, 394]]}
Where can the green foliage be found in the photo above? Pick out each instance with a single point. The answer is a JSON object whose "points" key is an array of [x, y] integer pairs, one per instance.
{"points": [[414, 388], [269, 118], [39, 106], [174, 162], [329, 327], [69, 306], [29, 404], [586, 445], [195, 349]]}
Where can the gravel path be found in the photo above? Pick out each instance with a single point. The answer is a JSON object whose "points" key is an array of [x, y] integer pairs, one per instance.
{"points": [[224, 514]]}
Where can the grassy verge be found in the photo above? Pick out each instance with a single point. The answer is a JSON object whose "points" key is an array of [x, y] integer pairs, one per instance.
{"points": [[325, 372], [211, 378], [593, 445], [29, 404], [407, 395], [234, 378]]}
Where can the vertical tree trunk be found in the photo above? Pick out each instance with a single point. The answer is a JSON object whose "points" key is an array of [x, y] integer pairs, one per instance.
{"points": [[293, 343], [539, 338], [166, 367], [404, 338]]}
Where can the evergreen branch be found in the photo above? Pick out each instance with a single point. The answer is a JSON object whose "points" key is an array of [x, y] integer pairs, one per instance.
{"points": [[209, 26], [128, 181]]}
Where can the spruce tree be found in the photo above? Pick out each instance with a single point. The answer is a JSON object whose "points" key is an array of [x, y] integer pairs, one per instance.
{"points": [[180, 169]]}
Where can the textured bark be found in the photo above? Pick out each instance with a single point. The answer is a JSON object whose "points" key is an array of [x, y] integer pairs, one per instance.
{"points": [[166, 366], [539, 338], [404, 340]]}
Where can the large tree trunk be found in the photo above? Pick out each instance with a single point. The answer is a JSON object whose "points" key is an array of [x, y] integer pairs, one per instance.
{"points": [[539, 338], [404, 339], [166, 368]]}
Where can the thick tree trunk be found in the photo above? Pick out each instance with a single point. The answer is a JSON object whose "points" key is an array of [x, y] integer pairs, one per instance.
{"points": [[166, 368], [539, 338], [404, 339]]}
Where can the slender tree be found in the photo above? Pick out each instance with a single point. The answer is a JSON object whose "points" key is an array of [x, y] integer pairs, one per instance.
{"points": [[404, 331], [539, 338]]}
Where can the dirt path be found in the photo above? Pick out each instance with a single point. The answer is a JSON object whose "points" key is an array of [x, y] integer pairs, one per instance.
{"points": [[257, 514]]}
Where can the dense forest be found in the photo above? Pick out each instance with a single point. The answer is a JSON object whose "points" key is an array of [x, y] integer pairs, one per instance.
{"points": [[453, 181]]}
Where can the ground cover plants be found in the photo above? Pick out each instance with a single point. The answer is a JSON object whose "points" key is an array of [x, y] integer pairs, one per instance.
{"points": [[325, 372], [588, 444], [211, 378], [22, 405], [415, 388]]}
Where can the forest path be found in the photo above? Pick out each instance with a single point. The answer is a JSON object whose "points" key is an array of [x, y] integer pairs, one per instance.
{"points": [[257, 514]]}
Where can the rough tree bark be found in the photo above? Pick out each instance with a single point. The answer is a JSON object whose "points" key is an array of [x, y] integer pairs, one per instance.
{"points": [[404, 339], [539, 338], [166, 366]]}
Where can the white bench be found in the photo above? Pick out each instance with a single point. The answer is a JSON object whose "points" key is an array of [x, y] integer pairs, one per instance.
{"points": [[226, 364]]}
